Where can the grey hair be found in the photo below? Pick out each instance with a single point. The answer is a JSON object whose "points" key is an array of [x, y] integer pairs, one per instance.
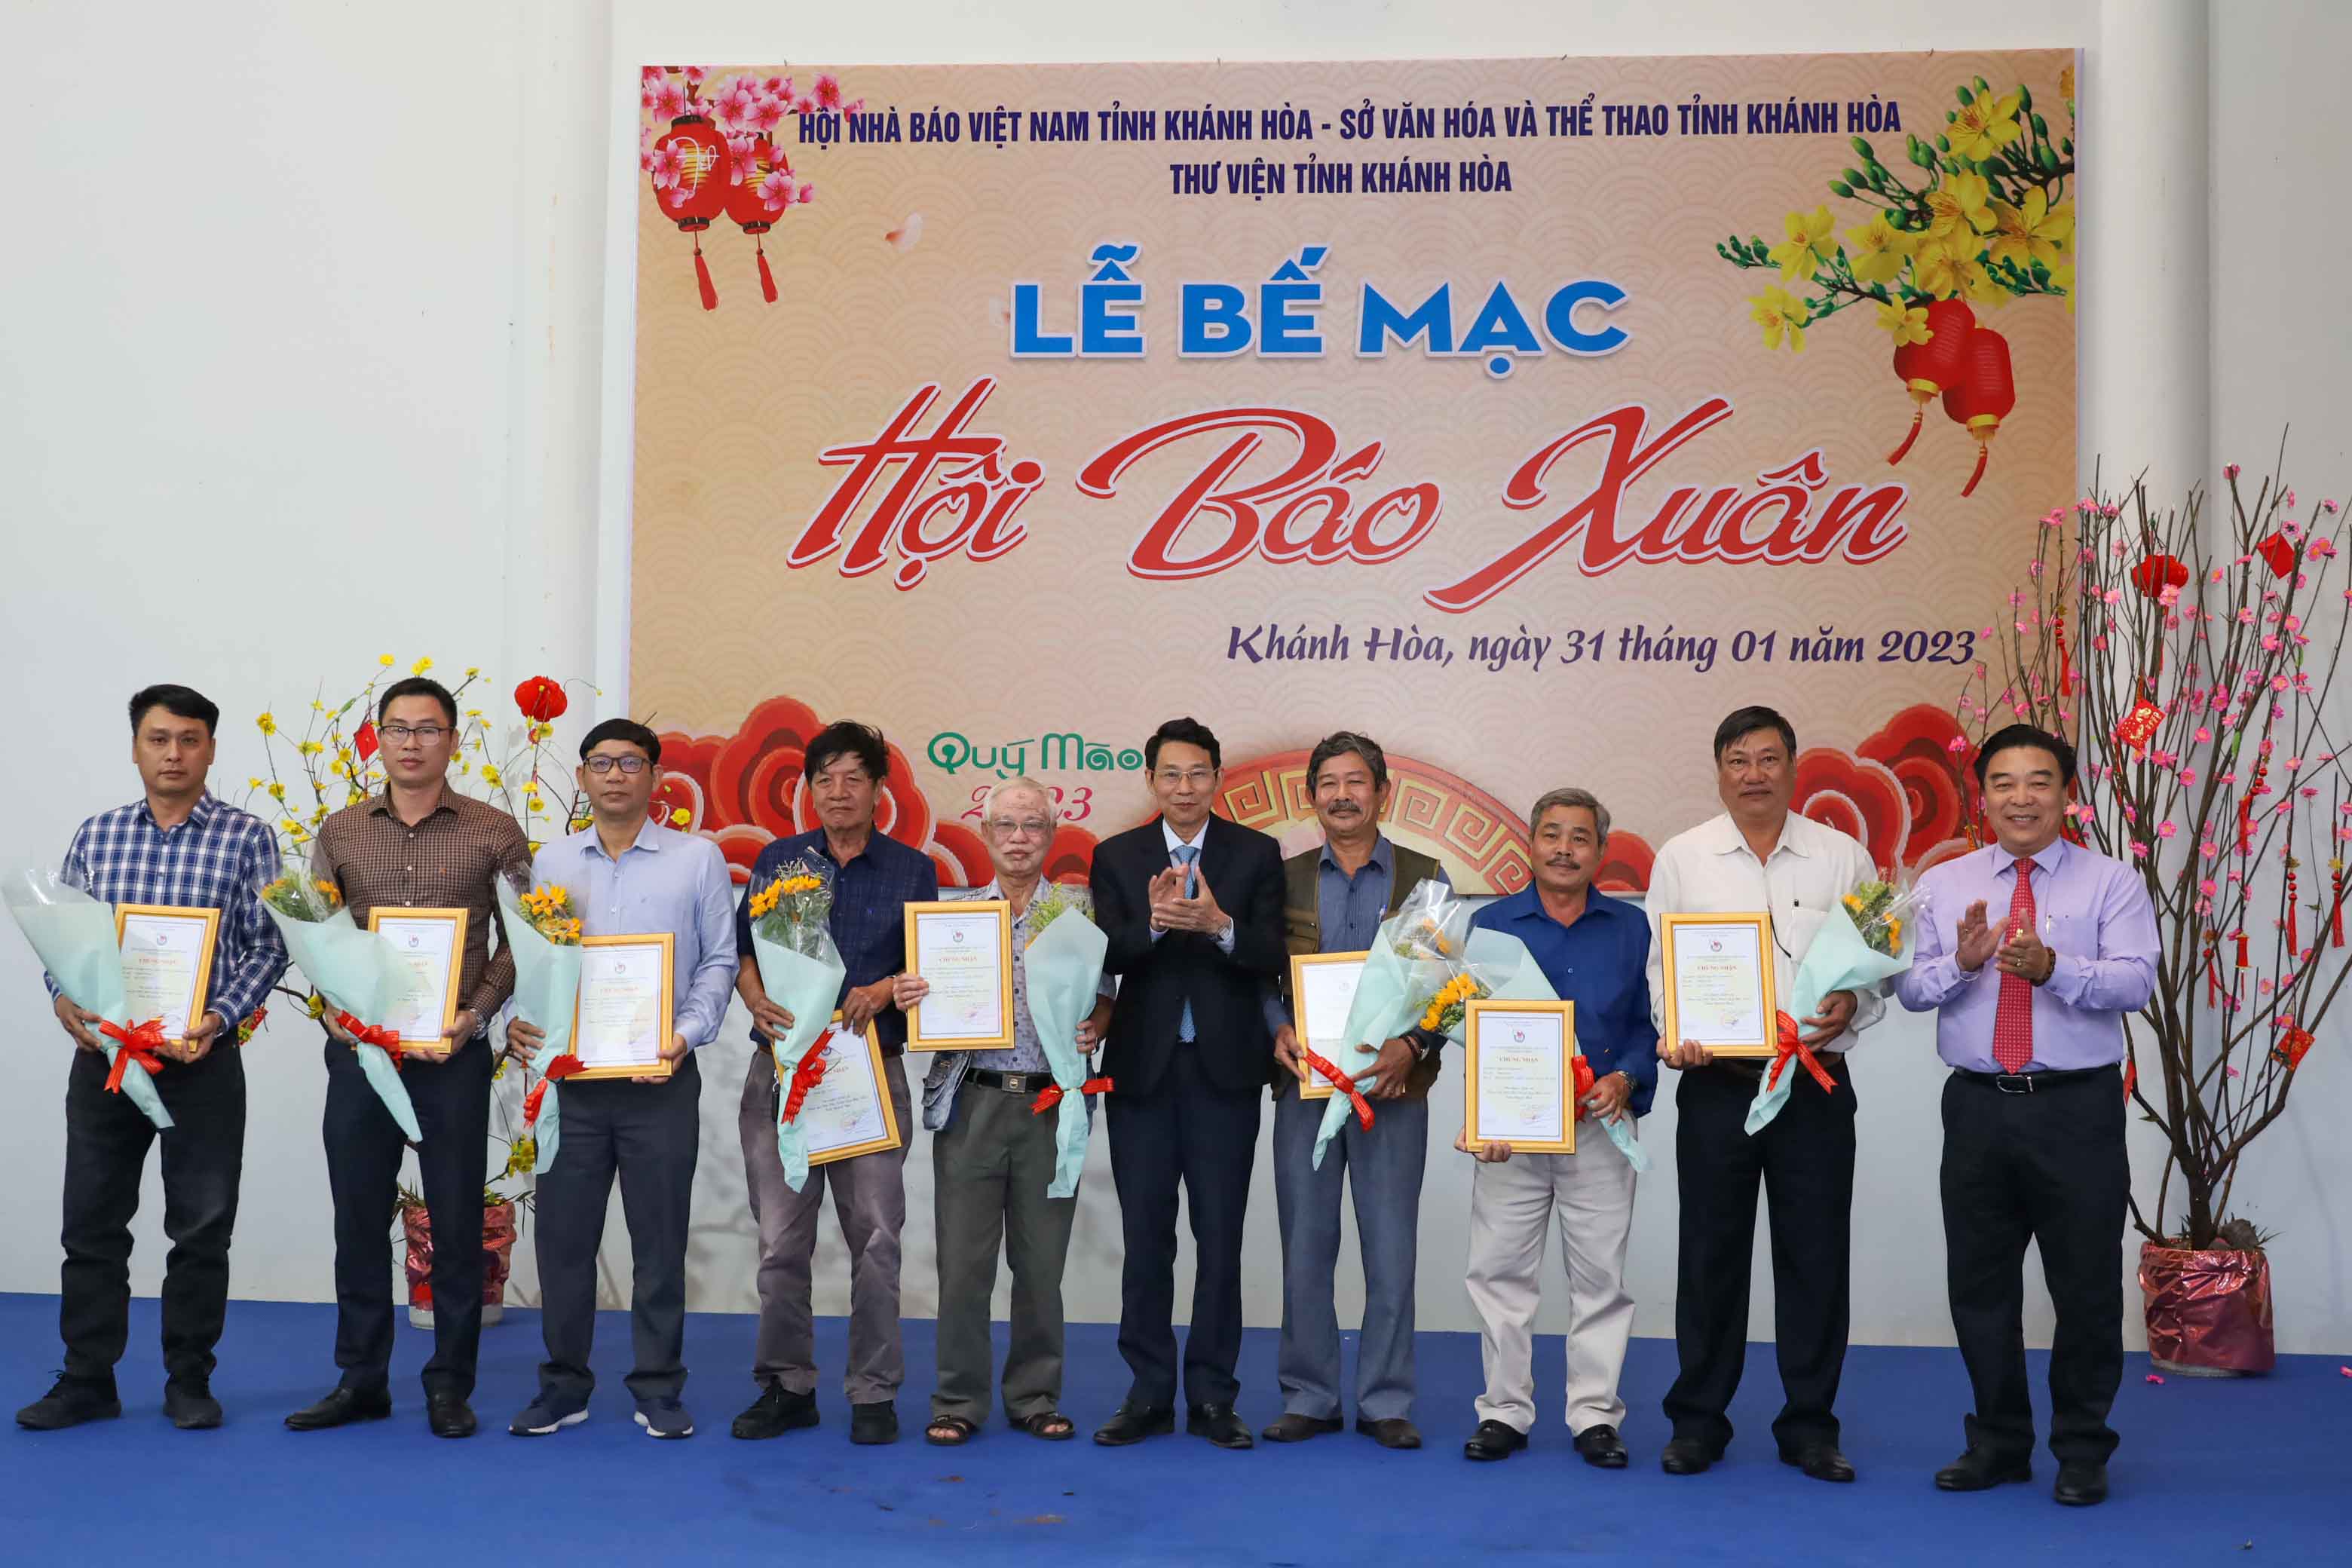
{"points": [[1014, 785], [1571, 796]]}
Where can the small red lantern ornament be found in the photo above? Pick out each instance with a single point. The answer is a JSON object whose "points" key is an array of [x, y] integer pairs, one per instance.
{"points": [[747, 202], [540, 701], [2155, 574], [1983, 397], [1928, 368], [689, 179]]}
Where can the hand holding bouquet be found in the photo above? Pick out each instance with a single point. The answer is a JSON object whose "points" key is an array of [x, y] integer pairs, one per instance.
{"points": [[801, 971], [543, 933], [1063, 964], [74, 935], [359, 972], [1863, 946]]}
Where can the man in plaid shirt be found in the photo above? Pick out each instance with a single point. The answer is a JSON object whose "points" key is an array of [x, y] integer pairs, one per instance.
{"points": [[176, 845]]}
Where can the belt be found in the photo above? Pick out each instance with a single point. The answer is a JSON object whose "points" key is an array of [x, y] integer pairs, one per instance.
{"points": [[1010, 1082], [2028, 1082]]}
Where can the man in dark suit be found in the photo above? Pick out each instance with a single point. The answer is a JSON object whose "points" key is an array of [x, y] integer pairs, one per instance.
{"points": [[1193, 906]]}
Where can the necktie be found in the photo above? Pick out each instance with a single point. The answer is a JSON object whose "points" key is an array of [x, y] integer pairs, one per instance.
{"points": [[2012, 1018], [1185, 855]]}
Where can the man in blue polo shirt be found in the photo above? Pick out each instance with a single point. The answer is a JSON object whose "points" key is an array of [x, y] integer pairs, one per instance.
{"points": [[1594, 950]]}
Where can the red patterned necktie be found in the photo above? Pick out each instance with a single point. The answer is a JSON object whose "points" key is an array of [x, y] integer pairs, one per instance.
{"points": [[2013, 1019]]}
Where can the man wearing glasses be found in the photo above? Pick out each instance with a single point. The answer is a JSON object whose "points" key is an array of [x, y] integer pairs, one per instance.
{"points": [[1193, 906], [419, 845], [992, 1159], [872, 878]]}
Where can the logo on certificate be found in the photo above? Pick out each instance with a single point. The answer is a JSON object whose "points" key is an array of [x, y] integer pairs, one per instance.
{"points": [[955, 936], [1518, 1036], [1715, 947]]}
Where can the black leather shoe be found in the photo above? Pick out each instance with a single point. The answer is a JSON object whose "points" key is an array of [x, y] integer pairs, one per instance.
{"points": [[1821, 1461], [448, 1416], [1686, 1457], [340, 1408], [777, 1411], [1396, 1432], [875, 1422], [69, 1403], [1291, 1428], [2081, 1483], [1982, 1469], [189, 1403], [1134, 1422], [1601, 1447], [1220, 1426], [1493, 1441]]}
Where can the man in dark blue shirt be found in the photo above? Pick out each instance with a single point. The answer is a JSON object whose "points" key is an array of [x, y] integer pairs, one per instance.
{"points": [[1595, 951], [872, 878]]}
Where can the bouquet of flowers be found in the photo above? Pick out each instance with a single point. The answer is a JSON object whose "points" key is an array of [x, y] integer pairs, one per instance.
{"points": [[358, 972], [75, 938], [1868, 947], [543, 934], [1063, 964], [801, 971]]}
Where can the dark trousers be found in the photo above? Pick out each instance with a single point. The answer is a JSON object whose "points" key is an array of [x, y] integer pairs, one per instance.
{"points": [[363, 1149], [649, 1135], [2048, 1167], [1804, 1160], [106, 1149], [991, 1166], [1188, 1131]]}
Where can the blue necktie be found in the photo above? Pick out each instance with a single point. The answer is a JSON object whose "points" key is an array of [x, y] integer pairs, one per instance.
{"points": [[1185, 855]]}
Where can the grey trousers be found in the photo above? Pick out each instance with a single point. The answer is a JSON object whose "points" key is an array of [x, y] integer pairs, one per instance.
{"points": [[1384, 1164], [869, 1199], [991, 1166]]}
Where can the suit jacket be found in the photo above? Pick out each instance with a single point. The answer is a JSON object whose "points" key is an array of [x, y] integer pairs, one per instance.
{"points": [[1244, 868]]}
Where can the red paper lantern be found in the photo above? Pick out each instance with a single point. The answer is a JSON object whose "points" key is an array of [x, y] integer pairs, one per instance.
{"points": [[540, 701], [749, 207], [1928, 368], [1982, 396], [695, 189], [2155, 574]]}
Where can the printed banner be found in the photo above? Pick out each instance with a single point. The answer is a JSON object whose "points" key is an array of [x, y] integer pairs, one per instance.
{"points": [[1527, 415]]}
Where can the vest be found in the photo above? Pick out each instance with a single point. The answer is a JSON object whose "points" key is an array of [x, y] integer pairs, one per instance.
{"points": [[1302, 922]]}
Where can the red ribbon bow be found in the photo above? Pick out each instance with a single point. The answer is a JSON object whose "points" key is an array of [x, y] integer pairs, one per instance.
{"points": [[1793, 1046], [139, 1045], [805, 1077], [559, 1069], [1585, 1079], [1051, 1095], [1346, 1086], [371, 1035]]}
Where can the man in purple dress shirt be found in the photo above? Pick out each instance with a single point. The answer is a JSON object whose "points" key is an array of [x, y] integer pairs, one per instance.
{"points": [[2031, 950]]}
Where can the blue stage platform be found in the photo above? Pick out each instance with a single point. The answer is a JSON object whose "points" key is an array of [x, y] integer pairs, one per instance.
{"points": [[2245, 1471]]}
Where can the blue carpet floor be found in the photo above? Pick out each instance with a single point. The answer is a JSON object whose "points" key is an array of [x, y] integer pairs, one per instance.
{"points": [[2250, 1470]]}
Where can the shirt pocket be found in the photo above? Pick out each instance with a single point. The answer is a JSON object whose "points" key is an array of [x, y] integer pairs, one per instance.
{"points": [[2077, 936], [1796, 927]]}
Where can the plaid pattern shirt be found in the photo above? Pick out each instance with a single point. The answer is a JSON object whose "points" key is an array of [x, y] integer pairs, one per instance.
{"points": [[870, 895], [216, 860], [450, 860]]}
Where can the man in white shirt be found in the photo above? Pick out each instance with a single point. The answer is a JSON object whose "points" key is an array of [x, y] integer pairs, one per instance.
{"points": [[1758, 855]]}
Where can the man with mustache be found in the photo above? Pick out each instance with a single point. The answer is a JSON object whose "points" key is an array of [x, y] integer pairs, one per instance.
{"points": [[1594, 950], [2028, 1011], [1334, 900]]}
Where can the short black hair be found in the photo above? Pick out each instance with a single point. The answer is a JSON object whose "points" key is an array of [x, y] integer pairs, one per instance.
{"points": [[180, 702], [1340, 744], [2016, 737], [417, 686], [1185, 731], [1746, 722], [847, 737], [627, 729]]}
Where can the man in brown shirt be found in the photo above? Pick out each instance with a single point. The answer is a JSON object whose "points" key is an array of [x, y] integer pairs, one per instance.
{"points": [[418, 845]]}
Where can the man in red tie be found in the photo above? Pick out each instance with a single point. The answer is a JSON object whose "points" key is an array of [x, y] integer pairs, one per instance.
{"points": [[2029, 1017]]}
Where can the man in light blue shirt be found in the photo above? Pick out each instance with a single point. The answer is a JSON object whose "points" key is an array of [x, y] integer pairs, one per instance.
{"points": [[630, 876]]}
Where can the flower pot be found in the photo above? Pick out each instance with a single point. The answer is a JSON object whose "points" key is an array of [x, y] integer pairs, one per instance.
{"points": [[498, 1248], [2209, 1312]]}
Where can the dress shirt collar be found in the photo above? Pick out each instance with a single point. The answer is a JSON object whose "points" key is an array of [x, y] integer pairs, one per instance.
{"points": [[2047, 859], [199, 815], [1383, 856], [381, 805], [648, 840], [1199, 841], [1724, 837], [1596, 904]]}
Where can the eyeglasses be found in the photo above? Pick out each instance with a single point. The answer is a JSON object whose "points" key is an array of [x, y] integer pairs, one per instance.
{"points": [[602, 763], [1027, 827], [1197, 777], [428, 733]]}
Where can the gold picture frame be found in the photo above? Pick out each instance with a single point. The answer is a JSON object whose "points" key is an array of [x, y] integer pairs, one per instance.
{"points": [[1473, 1021], [178, 914], [1676, 929], [893, 1136], [666, 945], [457, 920], [1312, 1085], [963, 909]]}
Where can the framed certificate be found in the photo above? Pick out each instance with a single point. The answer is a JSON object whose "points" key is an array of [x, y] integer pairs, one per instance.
{"points": [[625, 1016], [1322, 989], [167, 962], [849, 1111], [432, 943], [963, 949], [1518, 1075], [1719, 983]]}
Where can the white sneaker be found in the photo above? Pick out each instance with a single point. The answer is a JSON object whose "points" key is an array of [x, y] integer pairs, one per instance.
{"points": [[665, 1418]]}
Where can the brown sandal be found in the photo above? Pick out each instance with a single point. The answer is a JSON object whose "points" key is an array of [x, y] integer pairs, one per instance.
{"points": [[1050, 1424], [949, 1431]]}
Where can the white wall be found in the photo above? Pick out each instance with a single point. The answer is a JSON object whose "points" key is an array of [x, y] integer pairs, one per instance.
{"points": [[334, 381]]}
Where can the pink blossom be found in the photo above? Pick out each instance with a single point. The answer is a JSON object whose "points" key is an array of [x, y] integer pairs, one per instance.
{"points": [[669, 100], [2016, 597], [807, 194], [828, 92], [2233, 1072], [697, 75], [776, 191], [2034, 570], [852, 111], [667, 167], [2207, 888], [1987, 632], [650, 73], [2230, 472], [742, 159], [2188, 777], [2309, 792], [767, 114], [2287, 500], [2270, 643], [1957, 744], [778, 87], [646, 151], [2203, 734], [804, 106], [2054, 517], [2166, 829], [2138, 850]]}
